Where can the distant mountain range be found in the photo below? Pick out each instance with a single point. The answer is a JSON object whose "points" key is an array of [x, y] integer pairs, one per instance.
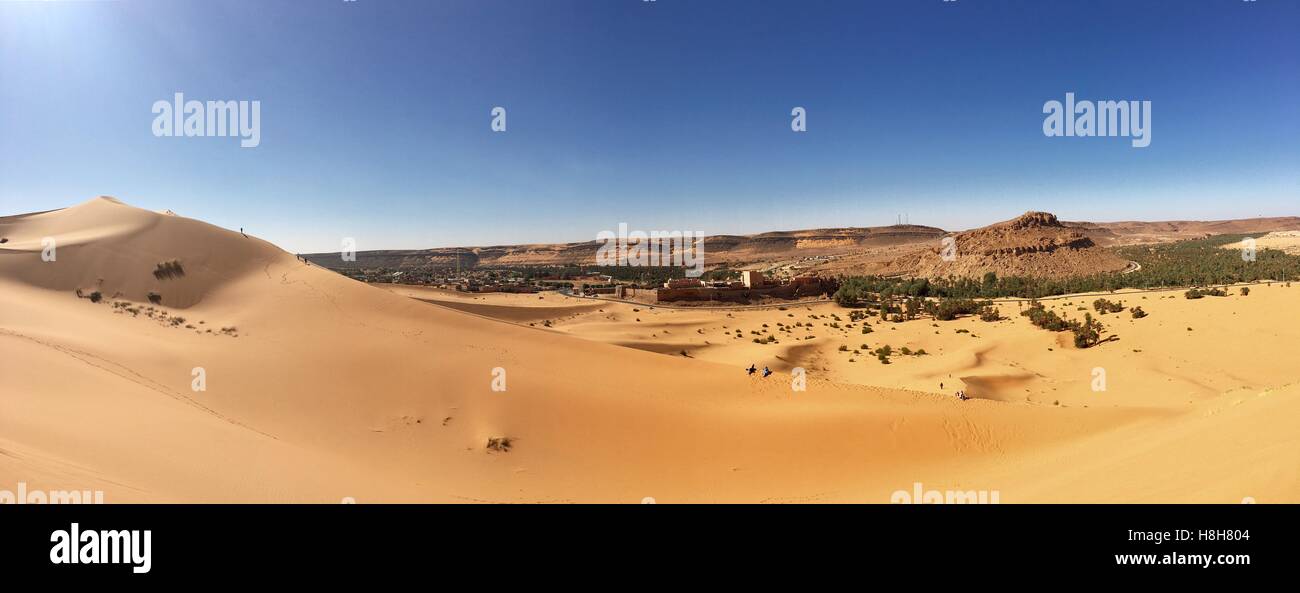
{"points": [[1036, 243], [718, 249]]}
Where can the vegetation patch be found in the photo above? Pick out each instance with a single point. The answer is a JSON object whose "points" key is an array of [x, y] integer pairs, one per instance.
{"points": [[1194, 262], [1104, 306], [1086, 333], [168, 270], [1197, 293]]}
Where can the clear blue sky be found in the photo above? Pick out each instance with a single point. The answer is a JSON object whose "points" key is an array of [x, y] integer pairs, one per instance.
{"points": [[671, 114]]}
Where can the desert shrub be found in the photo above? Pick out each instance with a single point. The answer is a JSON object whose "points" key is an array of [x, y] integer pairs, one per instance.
{"points": [[1245, 291], [1138, 313], [844, 348], [1088, 333], [168, 270], [1197, 293], [501, 444], [913, 307], [155, 298], [1104, 306], [96, 296], [949, 309], [1041, 317], [989, 313]]}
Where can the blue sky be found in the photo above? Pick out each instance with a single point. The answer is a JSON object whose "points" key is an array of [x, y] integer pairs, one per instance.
{"points": [[673, 114]]}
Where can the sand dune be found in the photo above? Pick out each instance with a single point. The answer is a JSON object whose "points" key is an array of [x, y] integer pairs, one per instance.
{"points": [[326, 388]]}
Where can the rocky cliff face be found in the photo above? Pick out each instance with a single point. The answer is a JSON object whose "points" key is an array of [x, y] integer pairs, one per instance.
{"points": [[1032, 244], [772, 246]]}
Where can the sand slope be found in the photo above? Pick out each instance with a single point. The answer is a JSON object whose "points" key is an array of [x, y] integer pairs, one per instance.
{"points": [[327, 388]]}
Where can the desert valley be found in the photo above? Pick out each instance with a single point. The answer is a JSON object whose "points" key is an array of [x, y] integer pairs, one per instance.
{"points": [[162, 359]]}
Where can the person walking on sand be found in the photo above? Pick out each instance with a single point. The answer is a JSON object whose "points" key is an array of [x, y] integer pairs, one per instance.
{"points": [[752, 369], [766, 371]]}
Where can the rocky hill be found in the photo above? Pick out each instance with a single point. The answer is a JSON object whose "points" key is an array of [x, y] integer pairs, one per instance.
{"points": [[1032, 244]]}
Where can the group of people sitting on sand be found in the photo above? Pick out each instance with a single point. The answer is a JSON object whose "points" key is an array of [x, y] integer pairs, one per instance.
{"points": [[961, 393]]}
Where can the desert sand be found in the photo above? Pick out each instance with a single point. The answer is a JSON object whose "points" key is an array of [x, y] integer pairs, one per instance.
{"points": [[320, 388]]}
